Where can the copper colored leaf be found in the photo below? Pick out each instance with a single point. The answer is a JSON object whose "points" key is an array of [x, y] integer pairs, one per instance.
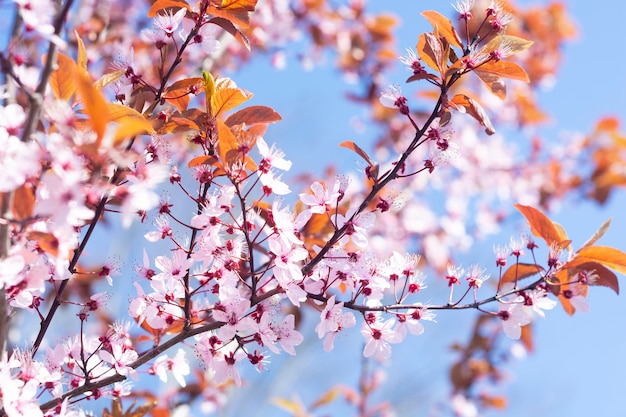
{"points": [[253, 115], [505, 69], [226, 99], [430, 50], [354, 147], [237, 11], [473, 108], [228, 26], [604, 276], [109, 78], [512, 44], [81, 60], [444, 26], [520, 271], [422, 76], [62, 80], [541, 226], [46, 241], [202, 160], [493, 83], [94, 103], [227, 144], [159, 5], [605, 255], [131, 126], [23, 202]]}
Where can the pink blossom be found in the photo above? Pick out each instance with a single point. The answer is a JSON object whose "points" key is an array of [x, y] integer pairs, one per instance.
{"points": [[321, 197], [333, 320], [513, 317], [178, 366], [121, 358], [378, 337]]}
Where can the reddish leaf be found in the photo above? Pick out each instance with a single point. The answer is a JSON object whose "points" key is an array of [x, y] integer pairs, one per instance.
{"points": [[226, 144], [605, 277], [159, 5], [493, 83], [23, 202], [202, 160], [605, 255], [520, 271], [46, 241], [422, 76], [541, 226], [430, 50], [474, 109], [228, 26], [95, 104], [253, 115], [62, 81], [444, 26], [506, 69], [354, 147], [178, 94], [226, 99], [237, 11]]}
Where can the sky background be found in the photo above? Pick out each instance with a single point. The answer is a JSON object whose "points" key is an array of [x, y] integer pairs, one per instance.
{"points": [[579, 365]]}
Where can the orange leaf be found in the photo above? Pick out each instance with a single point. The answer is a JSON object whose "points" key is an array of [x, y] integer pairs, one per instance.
{"points": [[527, 337], [237, 11], [253, 115], [131, 126], [520, 271], [474, 109], [95, 104], [23, 202], [227, 98], [62, 80], [506, 69], [326, 398], [226, 143], [81, 60], [493, 83], [202, 160], [354, 147], [430, 50], [178, 94], [605, 255], [166, 4], [228, 26], [443, 26], [541, 226], [46, 241], [109, 78], [605, 277]]}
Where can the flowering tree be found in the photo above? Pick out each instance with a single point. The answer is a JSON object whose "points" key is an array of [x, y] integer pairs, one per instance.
{"points": [[98, 120]]}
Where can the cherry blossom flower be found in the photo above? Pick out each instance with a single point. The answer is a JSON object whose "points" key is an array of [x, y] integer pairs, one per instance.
{"points": [[411, 61], [232, 310], [120, 358], [178, 366], [513, 317], [206, 36], [464, 8], [321, 198], [333, 320], [19, 158], [392, 97], [169, 22], [378, 337], [536, 301]]}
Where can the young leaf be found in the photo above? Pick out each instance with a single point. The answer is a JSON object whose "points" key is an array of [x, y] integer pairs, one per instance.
{"points": [[605, 255], [520, 271], [540, 225], [226, 144], [95, 104], [430, 50], [62, 81], [228, 26], [474, 109], [81, 60], [494, 84], [226, 99], [237, 11], [109, 78], [505, 69], [253, 115], [24, 202], [444, 26], [159, 5], [354, 147]]}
